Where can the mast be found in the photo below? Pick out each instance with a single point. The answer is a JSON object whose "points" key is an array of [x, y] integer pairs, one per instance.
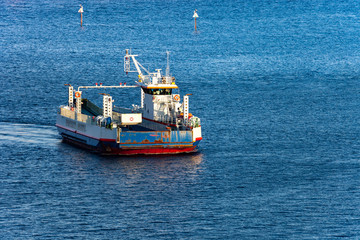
{"points": [[168, 64]]}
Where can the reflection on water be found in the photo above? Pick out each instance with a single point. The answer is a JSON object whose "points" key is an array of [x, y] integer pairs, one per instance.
{"points": [[13, 133], [136, 165], [134, 168]]}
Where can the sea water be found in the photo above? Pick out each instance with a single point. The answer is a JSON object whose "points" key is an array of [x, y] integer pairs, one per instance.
{"points": [[275, 83]]}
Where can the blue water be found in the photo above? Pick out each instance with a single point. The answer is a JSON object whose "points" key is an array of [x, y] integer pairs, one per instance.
{"points": [[275, 83]]}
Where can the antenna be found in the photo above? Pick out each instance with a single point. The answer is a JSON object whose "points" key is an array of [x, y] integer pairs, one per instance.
{"points": [[168, 63]]}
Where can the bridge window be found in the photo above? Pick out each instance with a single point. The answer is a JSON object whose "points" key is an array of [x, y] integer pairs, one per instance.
{"points": [[159, 91]]}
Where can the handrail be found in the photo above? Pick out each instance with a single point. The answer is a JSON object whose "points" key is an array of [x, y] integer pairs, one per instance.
{"points": [[100, 86], [67, 113]]}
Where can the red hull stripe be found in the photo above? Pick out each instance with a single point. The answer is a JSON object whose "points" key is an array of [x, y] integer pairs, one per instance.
{"points": [[107, 140], [150, 151], [99, 139], [198, 139]]}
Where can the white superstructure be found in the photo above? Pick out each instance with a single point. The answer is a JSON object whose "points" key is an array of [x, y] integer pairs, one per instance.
{"points": [[159, 102]]}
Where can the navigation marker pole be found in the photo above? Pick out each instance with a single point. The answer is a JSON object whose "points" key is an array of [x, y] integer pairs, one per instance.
{"points": [[195, 16], [81, 10]]}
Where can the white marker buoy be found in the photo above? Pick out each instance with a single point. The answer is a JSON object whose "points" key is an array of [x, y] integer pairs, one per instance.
{"points": [[81, 10], [195, 16]]}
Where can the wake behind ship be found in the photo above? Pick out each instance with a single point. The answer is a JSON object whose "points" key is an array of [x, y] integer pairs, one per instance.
{"points": [[161, 125]]}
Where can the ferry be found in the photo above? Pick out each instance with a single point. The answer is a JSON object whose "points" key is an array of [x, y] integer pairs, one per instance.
{"points": [[162, 124]]}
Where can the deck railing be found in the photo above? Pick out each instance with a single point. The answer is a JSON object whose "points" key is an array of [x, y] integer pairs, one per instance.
{"points": [[67, 113], [80, 117], [86, 119]]}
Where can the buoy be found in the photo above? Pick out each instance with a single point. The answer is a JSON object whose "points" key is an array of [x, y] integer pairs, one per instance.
{"points": [[81, 10], [77, 94], [195, 16]]}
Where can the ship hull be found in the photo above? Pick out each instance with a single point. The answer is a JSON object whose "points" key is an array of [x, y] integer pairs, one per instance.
{"points": [[112, 142]]}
